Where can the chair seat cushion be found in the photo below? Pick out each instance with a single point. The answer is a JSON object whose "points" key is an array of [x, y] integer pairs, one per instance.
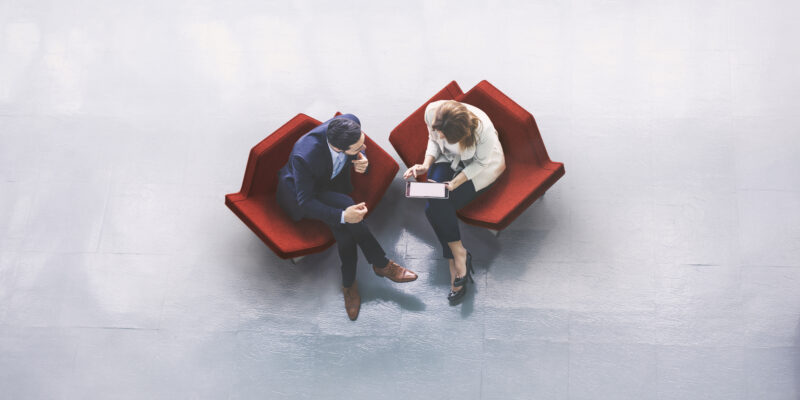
{"points": [[518, 186], [286, 237]]}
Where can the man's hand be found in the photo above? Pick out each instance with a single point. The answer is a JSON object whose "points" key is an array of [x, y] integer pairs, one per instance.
{"points": [[361, 163], [355, 213], [415, 170]]}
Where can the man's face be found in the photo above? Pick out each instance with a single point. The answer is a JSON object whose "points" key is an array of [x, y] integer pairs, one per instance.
{"points": [[356, 147]]}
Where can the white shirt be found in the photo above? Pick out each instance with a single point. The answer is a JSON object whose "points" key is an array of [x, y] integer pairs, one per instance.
{"points": [[334, 155]]}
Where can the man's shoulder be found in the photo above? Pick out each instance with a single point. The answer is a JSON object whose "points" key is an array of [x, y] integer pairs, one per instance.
{"points": [[309, 145], [351, 117]]}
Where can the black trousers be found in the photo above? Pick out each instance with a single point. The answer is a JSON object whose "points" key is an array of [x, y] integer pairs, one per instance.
{"points": [[441, 213], [350, 236]]}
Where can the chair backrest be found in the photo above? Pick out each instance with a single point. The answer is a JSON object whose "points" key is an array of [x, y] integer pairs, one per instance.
{"points": [[519, 134], [410, 138], [370, 187], [272, 153]]}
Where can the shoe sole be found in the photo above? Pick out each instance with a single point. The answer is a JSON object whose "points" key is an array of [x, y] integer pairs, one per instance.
{"points": [[401, 281]]}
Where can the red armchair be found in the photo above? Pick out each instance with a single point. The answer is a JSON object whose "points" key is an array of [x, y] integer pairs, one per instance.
{"points": [[529, 170], [255, 204]]}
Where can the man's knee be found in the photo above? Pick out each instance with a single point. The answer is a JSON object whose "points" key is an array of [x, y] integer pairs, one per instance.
{"points": [[358, 229], [336, 199], [341, 232]]}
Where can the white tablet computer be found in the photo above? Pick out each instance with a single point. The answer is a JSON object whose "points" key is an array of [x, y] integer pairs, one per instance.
{"points": [[430, 190]]}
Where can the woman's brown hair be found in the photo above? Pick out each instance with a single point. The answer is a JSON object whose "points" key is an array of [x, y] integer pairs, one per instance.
{"points": [[457, 124]]}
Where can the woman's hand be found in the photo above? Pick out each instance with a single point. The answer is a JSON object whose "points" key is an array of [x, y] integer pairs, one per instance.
{"points": [[415, 171], [457, 181]]}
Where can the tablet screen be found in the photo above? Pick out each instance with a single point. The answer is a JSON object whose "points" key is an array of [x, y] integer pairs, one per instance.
{"points": [[426, 189]]}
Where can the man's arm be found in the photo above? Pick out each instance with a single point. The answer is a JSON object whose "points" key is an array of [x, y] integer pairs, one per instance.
{"points": [[304, 184]]}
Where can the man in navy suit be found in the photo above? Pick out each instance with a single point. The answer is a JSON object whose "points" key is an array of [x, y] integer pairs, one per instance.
{"points": [[314, 184]]}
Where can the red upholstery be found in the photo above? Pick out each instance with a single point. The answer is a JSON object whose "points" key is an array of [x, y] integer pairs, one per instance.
{"points": [[410, 138], [256, 206], [371, 186], [529, 171]]}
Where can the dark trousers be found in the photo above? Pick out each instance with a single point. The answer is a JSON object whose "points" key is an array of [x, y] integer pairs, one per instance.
{"points": [[350, 236], [441, 213]]}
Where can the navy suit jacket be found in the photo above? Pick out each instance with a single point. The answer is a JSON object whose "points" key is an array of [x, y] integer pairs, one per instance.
{"points": [[308, 173]]}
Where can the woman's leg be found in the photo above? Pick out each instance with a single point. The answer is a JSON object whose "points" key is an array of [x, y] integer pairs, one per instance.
{"points": [[459, 198], [452, 265], [439, 172], [446, 252], [441, 214]]}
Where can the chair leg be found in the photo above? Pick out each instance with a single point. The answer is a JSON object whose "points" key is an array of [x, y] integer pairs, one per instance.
{"points": [[297, 259], [494, 232]]}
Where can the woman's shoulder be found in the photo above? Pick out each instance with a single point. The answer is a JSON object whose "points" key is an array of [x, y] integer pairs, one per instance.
{"points": [[430, 110], [486, 127], [478, 112]]}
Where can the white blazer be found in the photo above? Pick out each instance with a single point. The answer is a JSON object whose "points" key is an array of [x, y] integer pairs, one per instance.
{"points": [[483, 162]]}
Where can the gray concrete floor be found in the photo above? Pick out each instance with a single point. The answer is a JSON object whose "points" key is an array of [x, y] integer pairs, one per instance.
{"points": [[664, 265]]}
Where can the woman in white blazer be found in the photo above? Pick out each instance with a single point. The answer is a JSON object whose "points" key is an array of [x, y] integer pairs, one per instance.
{"points": [[465, 153]]}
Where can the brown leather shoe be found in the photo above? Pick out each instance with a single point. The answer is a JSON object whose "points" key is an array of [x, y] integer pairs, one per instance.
{"points": [[395, 272], [352, 301]]}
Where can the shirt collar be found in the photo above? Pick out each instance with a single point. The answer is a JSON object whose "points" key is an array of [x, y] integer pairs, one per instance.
{"points": [[334, 154]]}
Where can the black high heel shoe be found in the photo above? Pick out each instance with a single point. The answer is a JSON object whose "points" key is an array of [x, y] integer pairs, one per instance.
{"points": [[459, 282], [455, 297]]}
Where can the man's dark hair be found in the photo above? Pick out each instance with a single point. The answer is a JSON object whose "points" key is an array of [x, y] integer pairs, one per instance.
{"points": [[342, 133]]}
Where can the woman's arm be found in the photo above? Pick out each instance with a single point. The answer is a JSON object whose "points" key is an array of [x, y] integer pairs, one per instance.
{"points": [[419, 169], [428, 161], [457, 181], [483, 151]]}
